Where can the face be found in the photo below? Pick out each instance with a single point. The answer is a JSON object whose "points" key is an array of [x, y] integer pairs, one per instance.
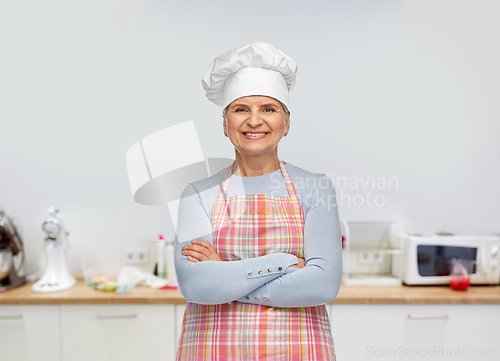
{"points": [[259, 115]]}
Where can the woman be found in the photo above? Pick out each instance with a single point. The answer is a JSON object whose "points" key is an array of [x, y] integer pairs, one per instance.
{"points": [[259, 244]]}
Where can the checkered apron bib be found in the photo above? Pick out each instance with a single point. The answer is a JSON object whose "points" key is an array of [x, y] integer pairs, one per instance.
{"points": [[248, 226]]}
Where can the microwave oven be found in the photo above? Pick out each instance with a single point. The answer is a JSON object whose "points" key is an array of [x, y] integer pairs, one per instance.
{"points": [[426, 258]]}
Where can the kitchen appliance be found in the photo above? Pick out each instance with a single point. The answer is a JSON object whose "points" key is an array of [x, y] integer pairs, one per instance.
{"points": [[370, 250], [10, 245], [426, 258], [56, 276]]}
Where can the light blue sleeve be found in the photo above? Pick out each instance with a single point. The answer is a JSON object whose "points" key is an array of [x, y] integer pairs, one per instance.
{"points": [[319, 281], [215, 282]]}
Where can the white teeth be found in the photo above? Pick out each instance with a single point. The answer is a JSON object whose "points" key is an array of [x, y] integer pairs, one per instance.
{"points": [[254, 135]]}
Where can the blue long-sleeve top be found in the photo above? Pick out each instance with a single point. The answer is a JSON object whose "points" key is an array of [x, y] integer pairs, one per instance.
{"points": [[216, 282]]}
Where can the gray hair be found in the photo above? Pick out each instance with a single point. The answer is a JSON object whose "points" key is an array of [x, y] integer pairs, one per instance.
{"points": [[285, 109]]}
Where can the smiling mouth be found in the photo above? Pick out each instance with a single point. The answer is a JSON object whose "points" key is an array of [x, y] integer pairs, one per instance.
{"points": [[255, 135]]}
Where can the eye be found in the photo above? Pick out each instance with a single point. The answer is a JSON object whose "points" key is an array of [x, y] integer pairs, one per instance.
{"points": [[240, 110], [269, 110]]}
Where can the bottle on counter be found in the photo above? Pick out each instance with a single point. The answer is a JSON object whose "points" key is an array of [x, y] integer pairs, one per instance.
{"points": [[160, 262], [169, 263]]}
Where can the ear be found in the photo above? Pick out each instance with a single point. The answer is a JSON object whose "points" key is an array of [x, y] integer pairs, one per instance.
{"points": [[287, 124], [224, 125]]}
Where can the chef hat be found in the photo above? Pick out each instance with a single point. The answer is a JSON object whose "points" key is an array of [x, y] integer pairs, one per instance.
{"points": [[253, 69]]}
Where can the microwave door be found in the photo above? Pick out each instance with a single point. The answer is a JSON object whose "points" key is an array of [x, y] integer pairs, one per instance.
{"points": [[434, 261]]}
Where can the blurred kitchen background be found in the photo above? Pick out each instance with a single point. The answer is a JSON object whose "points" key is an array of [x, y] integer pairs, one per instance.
{"points": [[406, 91]]}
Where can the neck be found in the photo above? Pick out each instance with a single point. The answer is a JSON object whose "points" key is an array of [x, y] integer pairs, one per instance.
{"points": [[254, 166]]}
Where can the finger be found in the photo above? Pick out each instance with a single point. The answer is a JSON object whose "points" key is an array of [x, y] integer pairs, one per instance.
{"points": [[192, 259], [197, 255], [203, 243], [196, 248], [210, 253], [199, 249]]}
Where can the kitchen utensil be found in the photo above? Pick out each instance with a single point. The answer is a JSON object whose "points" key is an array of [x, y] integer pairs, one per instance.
{"points": [[5, 263], [56, 276], [460, 271], [95, 275], [10, 245], [102, 278], [371, 250]]}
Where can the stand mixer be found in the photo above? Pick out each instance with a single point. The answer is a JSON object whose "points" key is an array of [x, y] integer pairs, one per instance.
{"points": [[10, 245], [56, 276]]}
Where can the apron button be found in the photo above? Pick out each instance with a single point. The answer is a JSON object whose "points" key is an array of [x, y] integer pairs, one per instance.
{"points": [[247, 297], [260, 272], [280, 268], [249, 273], [256, 299], [269, 270], [265, 299]]}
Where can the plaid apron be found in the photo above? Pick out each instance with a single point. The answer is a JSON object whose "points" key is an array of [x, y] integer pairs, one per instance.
{"points": [[248, 226]]}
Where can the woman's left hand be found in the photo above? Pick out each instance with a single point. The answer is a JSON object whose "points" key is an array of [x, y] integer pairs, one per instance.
{"points": [[199, 251]]}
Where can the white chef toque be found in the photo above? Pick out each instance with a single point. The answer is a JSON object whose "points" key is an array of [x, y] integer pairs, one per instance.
{"points": [[253, 69]]}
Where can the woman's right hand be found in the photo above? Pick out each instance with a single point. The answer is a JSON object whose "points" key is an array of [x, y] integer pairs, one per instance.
{"points": [[199, 251], [300, 264]]}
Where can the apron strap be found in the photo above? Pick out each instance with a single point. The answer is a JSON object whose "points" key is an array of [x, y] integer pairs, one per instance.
{"points": [[284, 172]]}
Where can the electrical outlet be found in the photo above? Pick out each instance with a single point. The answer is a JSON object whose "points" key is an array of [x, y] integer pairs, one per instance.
{"points": [[370, 257], [136, 255]]}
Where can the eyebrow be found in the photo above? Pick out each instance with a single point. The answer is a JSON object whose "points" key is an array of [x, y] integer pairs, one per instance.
{"points": [[245, 105], [238, 105], [269, 105]]}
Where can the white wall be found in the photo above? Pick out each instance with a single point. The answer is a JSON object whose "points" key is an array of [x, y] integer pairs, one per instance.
{"points": [[404, 89]]}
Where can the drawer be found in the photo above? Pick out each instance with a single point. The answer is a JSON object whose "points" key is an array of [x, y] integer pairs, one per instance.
{"points": [[430, 332], [118, 332], [29, 332]]}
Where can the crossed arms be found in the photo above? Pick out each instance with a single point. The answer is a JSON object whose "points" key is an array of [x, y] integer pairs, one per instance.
{"points": [[291, 282]]}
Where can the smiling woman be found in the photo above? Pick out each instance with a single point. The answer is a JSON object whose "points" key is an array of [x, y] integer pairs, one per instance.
{"points": [[256, 256]]}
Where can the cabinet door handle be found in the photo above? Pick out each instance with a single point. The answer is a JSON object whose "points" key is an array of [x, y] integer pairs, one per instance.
{"points": [[107, 316], [428, 316], [10, 317]]}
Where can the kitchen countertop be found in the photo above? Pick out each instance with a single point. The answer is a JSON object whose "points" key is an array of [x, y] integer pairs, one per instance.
{"points": [[83, 294]]}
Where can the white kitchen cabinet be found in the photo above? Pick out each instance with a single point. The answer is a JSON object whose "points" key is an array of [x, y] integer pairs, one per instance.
{"points": [[417, 332], [179, 316], [118, 332], [29, 333], [149, 332], [473, 331]]}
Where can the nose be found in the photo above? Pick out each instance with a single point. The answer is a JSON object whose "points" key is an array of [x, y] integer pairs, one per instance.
{"points": [[254, 119]]}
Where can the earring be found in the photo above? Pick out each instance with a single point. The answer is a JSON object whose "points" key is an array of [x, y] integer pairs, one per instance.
{"points": [[225, 134], [285, 134]]}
